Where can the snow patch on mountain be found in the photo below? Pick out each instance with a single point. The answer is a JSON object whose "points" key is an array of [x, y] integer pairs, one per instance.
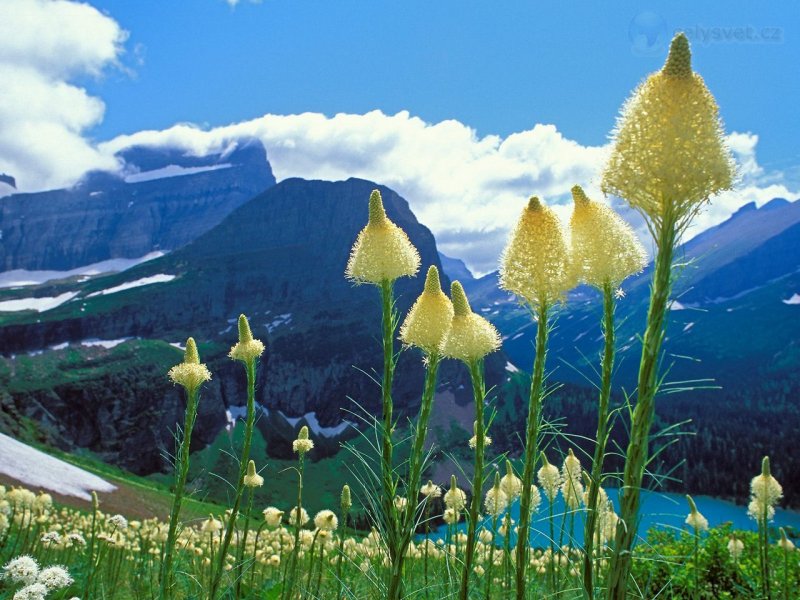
{"points": [[39, 470], [171, 171], [795, 299], [159, 278], [37, 304]]}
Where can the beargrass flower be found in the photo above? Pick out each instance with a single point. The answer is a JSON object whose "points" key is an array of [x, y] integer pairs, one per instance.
{"points": [[510, 483], [735, 547], [298, 516], [572, 486], [549, 479], [272, 516], [668, 154], [473, 441], [190, 374], [430, 490], [211, 525], [785, 543], [326, 520], [471, 337], [496, 501], [382, 251], [346, 501], [302, 444], [605, 249], [34, 591], [695, 520], [535, 263], [252, 479], [455, 497], [55, 577], [23, 569], [246, 349], [765, 493], [429, 318]]}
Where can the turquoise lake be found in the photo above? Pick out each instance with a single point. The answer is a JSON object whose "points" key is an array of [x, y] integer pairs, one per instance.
{"points": [[664, 510]]}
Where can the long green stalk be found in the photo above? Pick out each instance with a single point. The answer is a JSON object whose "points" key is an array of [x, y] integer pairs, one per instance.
{"points": [[478, 394], [181, 473], [637, 453], [607, 367], [388, 326], [409, 517], [531, 448], [289, 579], [250, 368]]}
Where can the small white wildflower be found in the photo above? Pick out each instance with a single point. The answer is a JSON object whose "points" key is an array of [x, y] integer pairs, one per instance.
{"points": [[118, 521], [34, 591], [23, 569], [54, 578]]}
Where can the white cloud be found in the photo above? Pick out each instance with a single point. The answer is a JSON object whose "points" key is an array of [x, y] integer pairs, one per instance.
{"points": [[44, 45], [467, 189]]}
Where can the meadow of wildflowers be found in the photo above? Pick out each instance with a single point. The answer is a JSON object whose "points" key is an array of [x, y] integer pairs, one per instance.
{"points": [[668, 160]]}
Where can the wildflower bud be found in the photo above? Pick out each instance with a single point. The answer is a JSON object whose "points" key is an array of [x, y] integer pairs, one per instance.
{"points": [[190, 373], [471, 337], [211, 525], [302, 444], [735, 547], [95, 501], [429, 318], [605, 249], [765, 493], [549, 479], [431, 490], [473, 441], [785, 543], [695, 520], [510, 483], [382, 251], [535, 262], [455, 498], [496, 499], [572, 487], [246, 349], [272, 516], [253, 479], [668, 153], [346, 500], [326, 520]]}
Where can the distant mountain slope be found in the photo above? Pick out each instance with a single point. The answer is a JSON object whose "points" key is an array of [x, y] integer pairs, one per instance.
{"points": [[164, 200], [279, 259], [456, 269]]}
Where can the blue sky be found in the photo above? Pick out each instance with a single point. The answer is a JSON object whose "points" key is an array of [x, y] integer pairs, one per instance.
{"points": [[499, 67], [465, 108]]}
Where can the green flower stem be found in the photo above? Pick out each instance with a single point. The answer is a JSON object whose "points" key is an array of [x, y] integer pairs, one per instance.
{"points": [[341, 556], [607, 367], [239, 569], [250, 368], [389, 325], [418, 446], [696, 563], [637, 453], [288, 585], [181, 473], [531, 448], [87, 589], [490, 564], [478, 394]]}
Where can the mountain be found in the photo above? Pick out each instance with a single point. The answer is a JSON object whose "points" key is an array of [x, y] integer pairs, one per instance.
{"points": [[456, 269], [160, 200], [279, 259]]}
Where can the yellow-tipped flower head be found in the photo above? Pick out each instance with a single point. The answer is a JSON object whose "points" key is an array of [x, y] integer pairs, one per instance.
{"points": [[455, 497], [470, 337], [510, 483], [382, 251], [190, 373], [535, 262], [765, 493], [668, 152], [549, 479], [302, 444], [429, 319], [496, 499], [695, 520], [572, 486], [247, 349], [473, 441], [347, 501], [253, 479], [604, 247]]}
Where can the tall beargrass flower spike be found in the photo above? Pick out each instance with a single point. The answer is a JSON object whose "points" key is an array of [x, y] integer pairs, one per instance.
{"points": [[429, 318], [668, 158], [425, 326], [247, 350], [669, 154], [695, 519], [190, 374], [765, 493], [535, 262], [382, 250], [605, 249], [252, 479]]}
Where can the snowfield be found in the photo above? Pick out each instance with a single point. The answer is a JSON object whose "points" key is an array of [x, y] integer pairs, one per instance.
{"points": [[37, 304], [160, 278], [40, 470], [795, 299], [21, 277]]}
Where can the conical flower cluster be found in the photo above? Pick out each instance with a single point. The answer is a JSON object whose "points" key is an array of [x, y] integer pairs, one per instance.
{"points": [[191, 374], [470, 337], [382, 251], [535, 262], [765, 493], [572, 486], [695, 520], [668, 153], [429, 318], [496, 500], [247, 349], [549, 479], [605, 250]]}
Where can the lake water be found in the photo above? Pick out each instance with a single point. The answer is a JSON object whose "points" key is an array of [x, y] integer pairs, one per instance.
{"points": [[663, 510]]}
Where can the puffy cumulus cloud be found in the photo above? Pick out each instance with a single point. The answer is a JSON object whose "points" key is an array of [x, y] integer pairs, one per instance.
{"points": [[468, 189], [44, 45]]}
